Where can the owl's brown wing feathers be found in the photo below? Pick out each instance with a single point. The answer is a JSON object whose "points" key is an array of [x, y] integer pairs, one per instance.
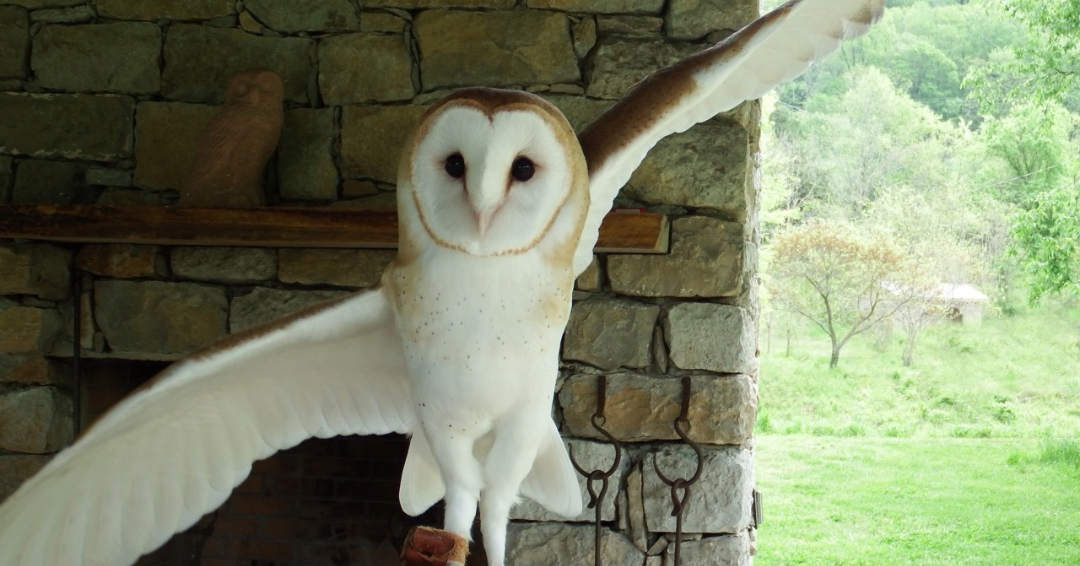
{"points": [[746, 65]]}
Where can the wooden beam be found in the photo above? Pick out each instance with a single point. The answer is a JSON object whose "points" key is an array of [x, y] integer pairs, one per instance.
{"points": [[621, 232]]}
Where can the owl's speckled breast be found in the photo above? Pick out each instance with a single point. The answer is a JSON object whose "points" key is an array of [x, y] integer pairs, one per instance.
{"points": [[485, 332]]}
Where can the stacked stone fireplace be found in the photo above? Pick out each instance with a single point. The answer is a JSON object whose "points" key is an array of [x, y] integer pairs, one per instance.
{"points": [[102, 102]]}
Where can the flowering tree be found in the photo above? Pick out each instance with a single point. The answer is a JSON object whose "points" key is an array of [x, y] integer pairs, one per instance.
{"points": [[843, 280]]}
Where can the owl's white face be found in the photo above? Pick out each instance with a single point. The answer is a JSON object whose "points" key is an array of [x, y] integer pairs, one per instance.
{"points": [[490, 177]]}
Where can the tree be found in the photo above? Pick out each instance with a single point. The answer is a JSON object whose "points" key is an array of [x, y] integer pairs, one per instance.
{"points": [[915, 316], [856, 146], [1037, 143], [926, 49], [842, 280], [1034, 142], [1048, 234], [1049, 57], [927, 74], [785, 195]]}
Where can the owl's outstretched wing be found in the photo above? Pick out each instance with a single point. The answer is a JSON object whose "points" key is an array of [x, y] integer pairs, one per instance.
{"points": [[775, 48], [175, 449]]}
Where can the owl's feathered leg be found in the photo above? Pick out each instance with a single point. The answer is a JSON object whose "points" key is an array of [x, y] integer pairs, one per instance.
{"points": [[508, 462], [463, 477]]}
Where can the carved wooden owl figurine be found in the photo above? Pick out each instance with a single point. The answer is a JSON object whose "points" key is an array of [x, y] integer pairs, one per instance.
{"points": [[227, 169], [500, 205]]}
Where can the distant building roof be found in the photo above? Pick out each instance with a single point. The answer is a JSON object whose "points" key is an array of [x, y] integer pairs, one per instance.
{"points": [[959, 292]]}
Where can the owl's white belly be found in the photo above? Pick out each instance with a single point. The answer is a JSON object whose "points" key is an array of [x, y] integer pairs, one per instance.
{"points": [[482, 339]]}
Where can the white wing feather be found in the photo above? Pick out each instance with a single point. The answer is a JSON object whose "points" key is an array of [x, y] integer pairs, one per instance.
{"points": [[174, 451], [746, 65]]}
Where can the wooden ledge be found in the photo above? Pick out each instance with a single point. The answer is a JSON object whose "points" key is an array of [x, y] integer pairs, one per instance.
{"points": [[621, 232]]}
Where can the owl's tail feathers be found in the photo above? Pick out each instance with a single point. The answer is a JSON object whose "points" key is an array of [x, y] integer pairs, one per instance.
{"points": [[553, 482]]}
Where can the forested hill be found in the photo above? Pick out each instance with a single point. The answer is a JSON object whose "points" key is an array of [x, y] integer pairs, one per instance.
{"points": [[952, 126]]}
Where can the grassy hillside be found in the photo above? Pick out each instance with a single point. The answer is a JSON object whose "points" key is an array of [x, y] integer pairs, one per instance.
{"points": [[970, 457], [1013, 376]]}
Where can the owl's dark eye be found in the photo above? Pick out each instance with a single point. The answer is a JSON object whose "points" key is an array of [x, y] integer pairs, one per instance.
{"points": [[455, 166], [522, 169]]}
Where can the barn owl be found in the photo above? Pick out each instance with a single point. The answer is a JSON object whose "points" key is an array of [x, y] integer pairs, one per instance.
{"points": [[500, 206]]}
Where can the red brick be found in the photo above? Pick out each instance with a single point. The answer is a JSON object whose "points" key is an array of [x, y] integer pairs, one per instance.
{"points": [[316, 447], [102, 400], [287, 528], [386, 447], [362, 490], [387, 470], [222, 562], [246, 504], [319, 488], [388, 510], [253, 484], [319, 509], [215, 546], [258, 549], [352, 530], [280, 463], [281, 485], [334, 467], [352, 552], [236, 526]]}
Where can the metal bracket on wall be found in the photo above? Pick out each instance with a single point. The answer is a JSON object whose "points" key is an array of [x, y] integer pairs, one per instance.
{"points": [[757, 509], [598, 476], [680, 487]]}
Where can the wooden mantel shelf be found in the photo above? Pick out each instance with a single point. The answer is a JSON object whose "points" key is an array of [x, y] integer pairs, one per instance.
{"points": [[621, 232]]}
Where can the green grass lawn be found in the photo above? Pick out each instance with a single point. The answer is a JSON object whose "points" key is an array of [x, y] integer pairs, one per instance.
{"points": [[970, 456], [1008, 377], [904, 501]]}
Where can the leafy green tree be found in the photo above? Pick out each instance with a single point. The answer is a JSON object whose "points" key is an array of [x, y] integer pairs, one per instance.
{"points": [[855, 147], [953, 232], [1033, 140], [1037, 142], [888, 133], [1048, 233], [1036, 138], [843, 280], [928, 75], [926, 48], [1048, 58]]}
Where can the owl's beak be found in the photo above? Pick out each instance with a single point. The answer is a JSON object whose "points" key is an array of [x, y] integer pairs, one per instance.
{"points": [[483, 218], [486, 198]]}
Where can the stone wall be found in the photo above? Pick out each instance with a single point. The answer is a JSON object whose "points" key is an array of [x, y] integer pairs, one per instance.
{"points": [[101, 101]]}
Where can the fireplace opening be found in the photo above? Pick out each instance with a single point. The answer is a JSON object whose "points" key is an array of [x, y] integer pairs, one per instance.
{"points": [[323, 502]]}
